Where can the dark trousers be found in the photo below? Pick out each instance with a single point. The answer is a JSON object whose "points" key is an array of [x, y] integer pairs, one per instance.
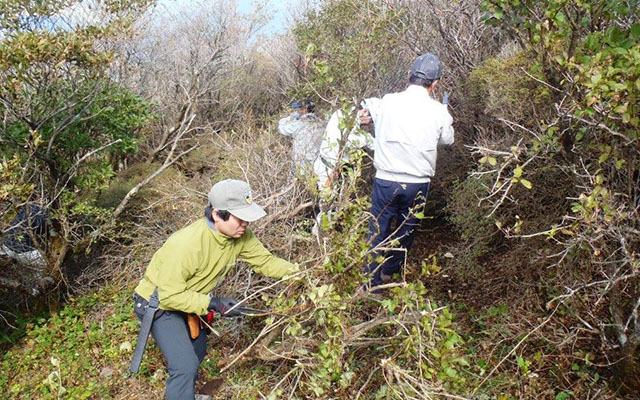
{"points": [[393, 201], [183, 355]]}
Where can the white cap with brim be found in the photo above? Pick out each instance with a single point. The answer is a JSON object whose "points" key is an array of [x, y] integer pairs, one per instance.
{"points": [[235, 196]]}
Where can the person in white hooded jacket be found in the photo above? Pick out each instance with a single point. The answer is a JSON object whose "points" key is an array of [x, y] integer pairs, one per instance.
{"points": [[335, 152], [304, 127], [409, 126], [337, 144]]}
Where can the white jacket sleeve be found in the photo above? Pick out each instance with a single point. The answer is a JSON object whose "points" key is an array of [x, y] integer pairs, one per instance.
{"points": [[289, 126], [359, 138], [446, 133], [330, 145]]}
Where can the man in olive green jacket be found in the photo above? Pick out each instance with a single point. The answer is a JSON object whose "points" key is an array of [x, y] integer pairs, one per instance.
{"points": [[189, 265]]}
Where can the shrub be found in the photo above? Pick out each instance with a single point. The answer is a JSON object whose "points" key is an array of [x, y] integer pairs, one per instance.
{"points": [[501, 88]]}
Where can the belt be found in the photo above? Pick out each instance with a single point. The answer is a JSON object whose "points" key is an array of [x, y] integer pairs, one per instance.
{"points": [[145, 328]]}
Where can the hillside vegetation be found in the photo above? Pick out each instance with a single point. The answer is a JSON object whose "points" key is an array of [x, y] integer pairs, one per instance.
{"points": [[523, 281]]}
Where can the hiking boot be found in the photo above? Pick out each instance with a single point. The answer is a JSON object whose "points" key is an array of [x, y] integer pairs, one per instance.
{"points": [[203, 397]]}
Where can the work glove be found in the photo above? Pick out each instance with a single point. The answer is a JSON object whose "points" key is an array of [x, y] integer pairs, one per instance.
{"points": [[221, 305], [294, 274]]}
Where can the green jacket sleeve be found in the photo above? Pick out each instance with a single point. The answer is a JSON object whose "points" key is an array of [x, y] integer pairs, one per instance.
{"points": [[262, 261], [173, 266]]}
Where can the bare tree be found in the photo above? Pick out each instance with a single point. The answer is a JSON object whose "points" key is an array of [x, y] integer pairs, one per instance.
{"points": [[187, 63]]}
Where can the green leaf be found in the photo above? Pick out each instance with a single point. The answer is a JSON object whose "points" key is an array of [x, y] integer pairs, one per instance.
{"points": [[517, 173], [561, 18], [604, 157], [388, 304], [462, 361], [526, 183], [635, 31]]}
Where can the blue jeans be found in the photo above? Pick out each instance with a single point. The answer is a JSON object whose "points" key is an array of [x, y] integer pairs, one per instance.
{"points": [[393, 201], [183, 354]]}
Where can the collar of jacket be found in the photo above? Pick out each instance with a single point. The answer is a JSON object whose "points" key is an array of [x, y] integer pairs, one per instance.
{"points": [[417, 90], [219, 237]]}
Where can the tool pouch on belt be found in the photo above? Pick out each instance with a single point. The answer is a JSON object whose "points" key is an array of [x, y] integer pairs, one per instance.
{"points": [[194, 325]]}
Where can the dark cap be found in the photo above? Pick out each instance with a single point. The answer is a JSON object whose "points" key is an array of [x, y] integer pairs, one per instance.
{"points": [[427, 66], [306, 102]]}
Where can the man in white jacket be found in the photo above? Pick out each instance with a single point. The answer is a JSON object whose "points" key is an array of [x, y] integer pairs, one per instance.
{"points": [[409, 126]]}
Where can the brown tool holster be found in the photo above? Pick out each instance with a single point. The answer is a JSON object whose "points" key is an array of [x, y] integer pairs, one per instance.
{"points": [[194, 325]]}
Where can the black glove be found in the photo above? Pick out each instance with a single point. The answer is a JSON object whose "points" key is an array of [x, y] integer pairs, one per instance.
{"points": [[221, 305]]}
